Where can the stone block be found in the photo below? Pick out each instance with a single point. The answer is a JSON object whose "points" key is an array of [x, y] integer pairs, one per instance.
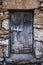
{"points": [[38, 18], [38, 49], [5, 24], [5, 45], [38, 34], [3, 31], [1, 51], [21, 4]]}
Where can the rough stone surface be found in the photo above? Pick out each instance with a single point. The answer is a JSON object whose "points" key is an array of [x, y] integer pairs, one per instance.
{"points": [[38, 19], [21, 4], [38, 24], [1, 51], [5, 45], [5, 24], [38, 49], [38, 34], [38, 37]]}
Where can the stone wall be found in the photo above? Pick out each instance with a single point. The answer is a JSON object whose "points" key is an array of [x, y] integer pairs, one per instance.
{"points": [[4, 33], [38, 32], [38, 22]]}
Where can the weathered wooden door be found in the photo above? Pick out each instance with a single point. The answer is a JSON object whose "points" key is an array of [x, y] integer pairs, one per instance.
{"points": [[21, 28]]}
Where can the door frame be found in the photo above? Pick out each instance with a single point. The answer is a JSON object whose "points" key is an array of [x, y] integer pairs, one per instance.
{"points": [[21, 10]]}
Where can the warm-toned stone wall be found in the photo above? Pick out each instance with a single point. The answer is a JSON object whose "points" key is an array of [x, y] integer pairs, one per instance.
{"points": [[38, 20], [4, 33], [38, 32], [38, 17]]}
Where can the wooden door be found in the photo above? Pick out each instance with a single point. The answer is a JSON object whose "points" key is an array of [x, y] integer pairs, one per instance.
{"points": [[21, 28]]}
